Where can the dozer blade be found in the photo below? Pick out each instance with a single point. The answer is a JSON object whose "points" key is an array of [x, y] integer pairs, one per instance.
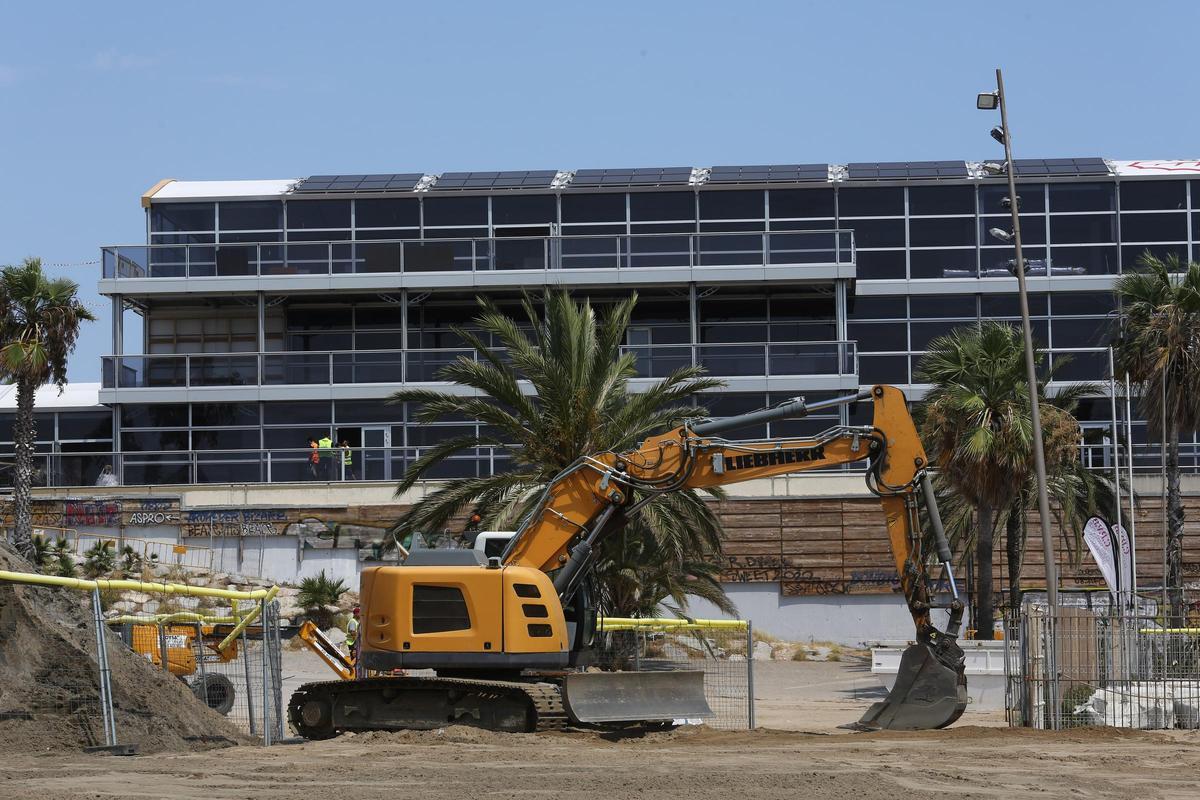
{"points": [[927, 694], [591, 697]]}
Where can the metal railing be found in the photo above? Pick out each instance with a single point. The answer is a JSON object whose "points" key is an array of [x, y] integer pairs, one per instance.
{"points": [[422, 365], [484, 254]]}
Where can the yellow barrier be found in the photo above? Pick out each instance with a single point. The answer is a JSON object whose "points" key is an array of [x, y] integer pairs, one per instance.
{"points": [[662, 624], [246, 620], [169, 619], [138, 586], [1169, 630]]}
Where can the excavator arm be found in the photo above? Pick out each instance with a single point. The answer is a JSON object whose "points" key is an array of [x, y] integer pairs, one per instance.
{"points": [[588, 499]]}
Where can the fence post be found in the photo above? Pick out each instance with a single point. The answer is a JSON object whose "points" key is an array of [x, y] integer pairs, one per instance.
{"points": [[750, 673], [162, 648], [106, 702], [266, 676], [200, 668]]}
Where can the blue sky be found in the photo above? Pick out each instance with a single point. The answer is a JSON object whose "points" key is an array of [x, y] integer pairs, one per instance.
{"points": [[98, 101]]}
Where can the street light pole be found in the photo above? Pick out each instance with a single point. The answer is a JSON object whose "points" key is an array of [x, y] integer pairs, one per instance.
{"points": [[1039, 453]]}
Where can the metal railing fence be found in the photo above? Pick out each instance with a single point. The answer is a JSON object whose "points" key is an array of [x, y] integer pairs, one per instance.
{"points": [[480, 254], [415, 365], [721, 649]]}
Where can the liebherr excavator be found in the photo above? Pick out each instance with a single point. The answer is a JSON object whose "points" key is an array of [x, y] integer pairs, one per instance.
{"points": [[508, 636]]}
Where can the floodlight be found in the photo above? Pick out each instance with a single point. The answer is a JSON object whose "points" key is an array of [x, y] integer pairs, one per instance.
{"points": [[987, 101], [998, 134], [1001, 234]]}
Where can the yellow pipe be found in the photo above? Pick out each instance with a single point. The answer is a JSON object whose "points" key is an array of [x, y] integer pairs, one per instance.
{"points": [[138, 586], [246, 620], [1169, 630], [167, 619], [648, 623]]}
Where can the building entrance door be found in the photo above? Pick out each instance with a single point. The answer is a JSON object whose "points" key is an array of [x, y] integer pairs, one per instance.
{"points": [[376, 453]]}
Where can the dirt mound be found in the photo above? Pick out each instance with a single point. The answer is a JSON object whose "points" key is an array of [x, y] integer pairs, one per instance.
{"points": [[49, 681]]}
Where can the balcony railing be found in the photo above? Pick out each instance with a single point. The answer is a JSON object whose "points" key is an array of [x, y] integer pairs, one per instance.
{"points": [[777, 359], [633, 251]]}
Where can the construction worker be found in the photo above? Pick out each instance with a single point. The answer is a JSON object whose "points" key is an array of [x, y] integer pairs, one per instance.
{"points": [[352, 634], [347, 461], [325, 446], [314, 459]]}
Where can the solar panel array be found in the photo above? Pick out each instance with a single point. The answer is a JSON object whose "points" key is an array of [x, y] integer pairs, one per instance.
{"points": [[1060, 166], [900, 170], [404, 182], [646, 176], [528, 179], [770, 173]]}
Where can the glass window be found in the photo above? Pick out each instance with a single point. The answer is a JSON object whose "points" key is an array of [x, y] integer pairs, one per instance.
{"points": [[1033, 198], [1080, 332], [874, 336], [800, 203], [1083, 229], [941, 232], [388, 212], [1154, 227], [6, 427], [997, 262], [225, 415], [348, 411], [318, 214], [252, 216], [378, 317], [226, 439], [938, 200], [741, 204], [876, 232], [524, 209], [942, 306], [925, 332], [1097, 260], [881, 265], [1009, 305], [310, 412], [942, 263], [1131, 256], [157, 415], [304, 318], [155, 441], [650, 206], [1033, 229], [871, 202], [167, 217], [1153, 195], [460, 211], [1083, 303], [593, 207], [1082, 197], [878, 307], [85, 424], [881, 369]]}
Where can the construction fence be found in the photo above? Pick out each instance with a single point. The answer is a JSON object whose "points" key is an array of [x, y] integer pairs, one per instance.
{"points": [[722, 649], [1087, 666], [226, 649]]}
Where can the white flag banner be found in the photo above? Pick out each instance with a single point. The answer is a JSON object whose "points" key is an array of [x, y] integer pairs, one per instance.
{"points": [[1125, 559], [1098, 539]]}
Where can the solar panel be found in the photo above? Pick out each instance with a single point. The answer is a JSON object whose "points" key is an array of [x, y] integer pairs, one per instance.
{"points": [[770, 173], [360, 183], [1060, 166], [645, 176], [528, 179], [904, 170]]}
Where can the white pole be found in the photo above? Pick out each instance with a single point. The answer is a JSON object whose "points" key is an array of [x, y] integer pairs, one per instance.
{"points": [[1132, 517], [1116, 431]]}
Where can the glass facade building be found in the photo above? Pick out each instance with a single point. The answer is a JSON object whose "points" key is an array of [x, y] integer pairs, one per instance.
{"points": [[259, 313]]}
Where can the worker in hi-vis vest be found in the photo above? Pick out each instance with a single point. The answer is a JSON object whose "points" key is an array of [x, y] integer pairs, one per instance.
{"points": [[325, 448]]}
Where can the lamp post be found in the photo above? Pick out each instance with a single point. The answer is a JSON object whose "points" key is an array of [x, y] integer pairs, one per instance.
{"points": [[990, 101]]}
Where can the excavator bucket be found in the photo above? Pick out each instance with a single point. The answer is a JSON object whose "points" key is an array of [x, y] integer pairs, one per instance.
{"points": [[594, 697], [930, 691]]}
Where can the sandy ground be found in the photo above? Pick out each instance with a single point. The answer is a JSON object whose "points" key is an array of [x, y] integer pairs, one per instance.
{"points": [[975, 759]]}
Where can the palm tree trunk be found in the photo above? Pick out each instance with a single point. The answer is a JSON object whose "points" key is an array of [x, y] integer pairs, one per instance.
{"points": [[1174, 532], [24, 434], [1014, 544], [984, 620]]}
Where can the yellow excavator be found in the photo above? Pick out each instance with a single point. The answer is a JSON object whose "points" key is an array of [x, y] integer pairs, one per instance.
{"points": [[508, 636]]}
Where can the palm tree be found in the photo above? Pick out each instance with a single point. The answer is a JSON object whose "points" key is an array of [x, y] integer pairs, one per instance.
{"points": [[1156, 342], [581, 405], [318, 596], [40, 319], [977, 425]]}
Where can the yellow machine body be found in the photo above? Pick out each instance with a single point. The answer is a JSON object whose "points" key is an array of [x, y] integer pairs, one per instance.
{"points": [[472, 616]]}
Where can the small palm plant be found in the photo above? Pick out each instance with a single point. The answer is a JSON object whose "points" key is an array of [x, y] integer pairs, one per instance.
{"points": [[318, 596], [99, 560]]}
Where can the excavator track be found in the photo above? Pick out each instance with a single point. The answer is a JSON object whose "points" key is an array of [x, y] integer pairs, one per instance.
{"points": [[325, 709]]}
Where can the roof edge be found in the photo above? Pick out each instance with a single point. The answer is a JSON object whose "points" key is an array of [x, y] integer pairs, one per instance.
{"points": [[153, 190]]}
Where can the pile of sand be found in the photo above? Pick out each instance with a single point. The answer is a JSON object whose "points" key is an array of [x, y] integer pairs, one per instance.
{"points": [[49, 680]]}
